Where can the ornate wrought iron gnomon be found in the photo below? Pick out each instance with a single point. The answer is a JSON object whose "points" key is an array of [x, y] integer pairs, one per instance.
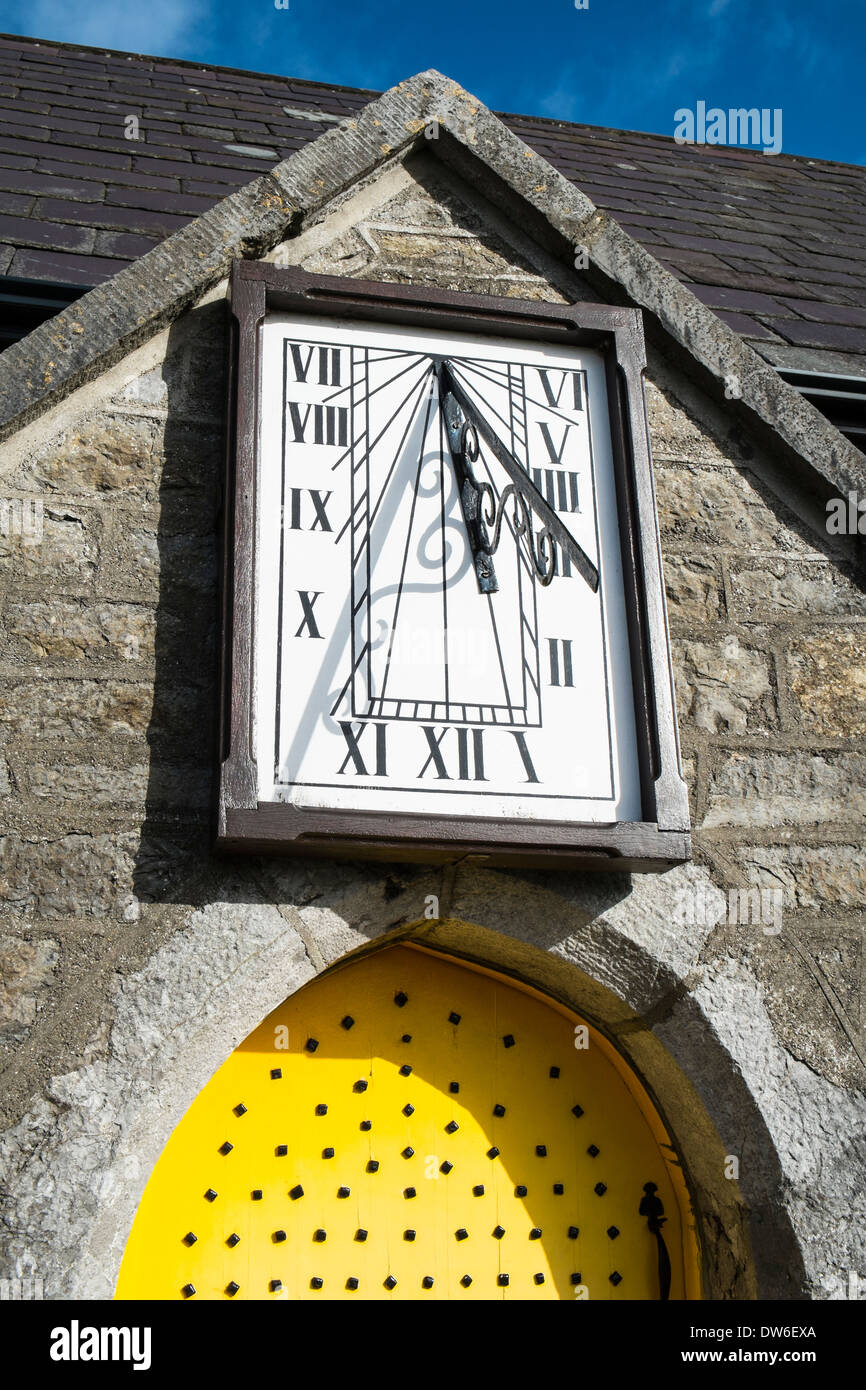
{"points": [[465, 425], [542, 548]]}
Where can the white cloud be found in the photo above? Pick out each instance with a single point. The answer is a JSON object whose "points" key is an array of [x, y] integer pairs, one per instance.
{"points": [[567, 100], [156, 26]]}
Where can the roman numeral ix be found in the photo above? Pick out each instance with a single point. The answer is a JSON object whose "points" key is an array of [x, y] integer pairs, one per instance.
{"points": [[319, 502]]}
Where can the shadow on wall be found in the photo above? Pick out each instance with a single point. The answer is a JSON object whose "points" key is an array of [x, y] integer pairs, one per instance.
{"points": [[176, 866]]}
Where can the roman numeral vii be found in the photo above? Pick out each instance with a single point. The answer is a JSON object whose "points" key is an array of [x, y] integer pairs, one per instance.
{"points": [[327, 363]]}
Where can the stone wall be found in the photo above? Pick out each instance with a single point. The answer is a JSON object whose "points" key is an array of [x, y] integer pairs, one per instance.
{"points": [[134, 959]]}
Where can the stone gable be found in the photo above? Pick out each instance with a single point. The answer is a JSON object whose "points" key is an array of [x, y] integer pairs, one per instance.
{"points": [[111, 890]]}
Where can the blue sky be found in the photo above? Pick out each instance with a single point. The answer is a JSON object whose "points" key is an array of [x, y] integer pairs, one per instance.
{"points": [[624, 63]]}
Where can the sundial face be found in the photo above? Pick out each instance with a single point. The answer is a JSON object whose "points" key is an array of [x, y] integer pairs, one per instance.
{"points": [[388, 677]]}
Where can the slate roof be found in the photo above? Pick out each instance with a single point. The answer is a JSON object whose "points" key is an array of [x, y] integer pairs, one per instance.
{"points": [[775, 245]]}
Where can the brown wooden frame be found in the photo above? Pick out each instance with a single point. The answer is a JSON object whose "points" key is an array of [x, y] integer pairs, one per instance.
{"points": [[661, 837]]}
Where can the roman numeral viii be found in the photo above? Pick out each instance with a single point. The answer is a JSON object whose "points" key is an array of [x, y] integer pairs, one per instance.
{"points": [[330, 423]]}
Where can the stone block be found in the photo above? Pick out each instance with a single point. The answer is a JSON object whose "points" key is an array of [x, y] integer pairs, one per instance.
{"points": [[174, 787], [130, 456], [827, 674], [26, 969], [719, 508], [675, 434], [811, 878], [723, 686], [783, 586], [74, 709], [159, 563], [694, 590], [110, 453], [66, 550], [773, 789], [91, 709], [65, 631], [75, 875]]}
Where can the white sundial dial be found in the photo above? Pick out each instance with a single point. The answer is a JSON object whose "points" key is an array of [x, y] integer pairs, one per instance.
{"points": [[442, 626]]}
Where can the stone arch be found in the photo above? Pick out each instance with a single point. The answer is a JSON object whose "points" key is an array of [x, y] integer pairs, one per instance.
{"points": [[84, 1153], [336, 1136]]}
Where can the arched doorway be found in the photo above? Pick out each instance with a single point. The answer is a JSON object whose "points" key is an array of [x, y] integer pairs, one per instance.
{"points": [[411, 1126]]}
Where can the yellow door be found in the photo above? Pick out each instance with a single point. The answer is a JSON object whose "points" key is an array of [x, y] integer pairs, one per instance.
{"points": [[409, 1126]]}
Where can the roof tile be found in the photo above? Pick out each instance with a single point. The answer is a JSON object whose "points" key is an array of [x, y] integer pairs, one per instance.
{"points": [[829, 335], [776, 247], [28, 231]]}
